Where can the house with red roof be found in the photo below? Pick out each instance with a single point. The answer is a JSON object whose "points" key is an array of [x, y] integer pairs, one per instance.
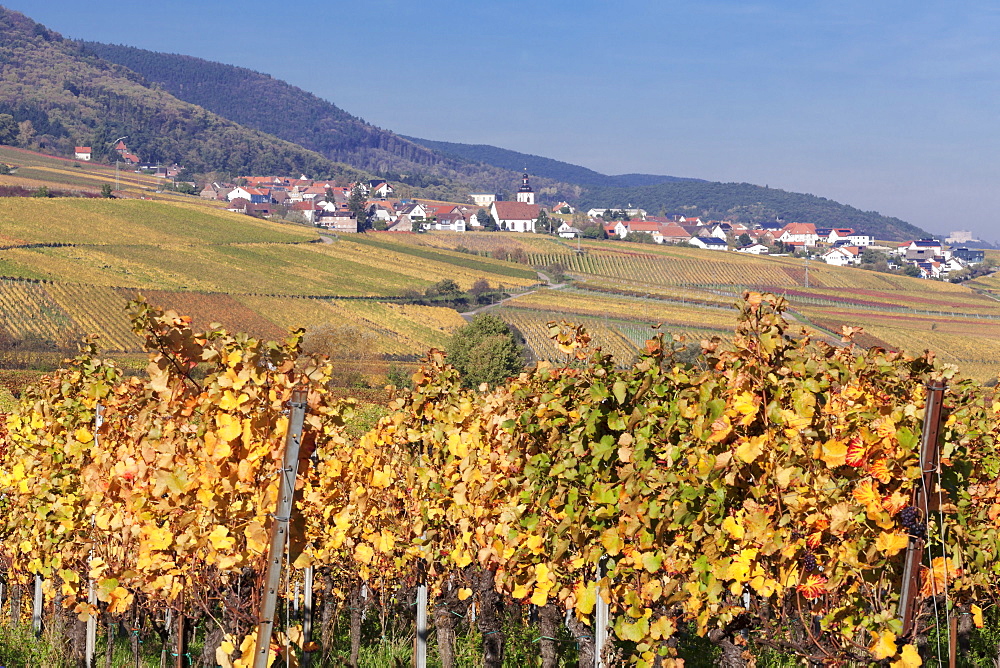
{"points": [[673, 233], [82, 153], [799, 233], [515, 216], [842, 256]]}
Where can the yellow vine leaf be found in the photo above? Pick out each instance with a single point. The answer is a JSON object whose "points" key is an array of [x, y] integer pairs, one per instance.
{"points": [[257, 538], [733, 527], [229, 427], [464, 593], [457, 447], [534, 543], [386, 542], [721, 429], [364, 553], [382, 477], [891, 542], [541, 593], [739, 570], [461, 557], [158, 538], [611, 541], [884, 646], [977, 616], [750, 449], [834, 453], [908, 658], [220, 538], [586, 597]]}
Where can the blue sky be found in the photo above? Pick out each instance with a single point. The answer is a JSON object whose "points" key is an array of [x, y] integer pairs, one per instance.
{"points": [[889, 106]]}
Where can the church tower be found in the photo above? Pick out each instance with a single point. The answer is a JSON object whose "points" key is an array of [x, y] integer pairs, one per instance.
{"points": [[525, 193]]}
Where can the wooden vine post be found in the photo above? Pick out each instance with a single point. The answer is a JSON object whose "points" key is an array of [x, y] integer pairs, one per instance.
{"points": [[279, 529], [922, 497]]}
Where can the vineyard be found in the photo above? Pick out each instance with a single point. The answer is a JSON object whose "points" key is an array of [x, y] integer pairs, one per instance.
{"points": [[36, 169], [779, 499], [61, 314]]}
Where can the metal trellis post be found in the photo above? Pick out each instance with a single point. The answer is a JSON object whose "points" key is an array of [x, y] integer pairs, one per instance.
{"points": [[279, 529], [929, 454]]}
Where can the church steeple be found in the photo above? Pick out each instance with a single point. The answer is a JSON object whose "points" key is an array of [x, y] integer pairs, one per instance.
{"points": [[525, 193]]}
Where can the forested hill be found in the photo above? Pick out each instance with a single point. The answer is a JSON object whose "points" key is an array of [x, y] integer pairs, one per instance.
{"points": [[539, 166], [61, 97], [259, 101], [749, 203]]}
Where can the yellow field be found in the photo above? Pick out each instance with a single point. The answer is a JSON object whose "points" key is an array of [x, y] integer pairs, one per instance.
{"points": [[568, 303]]}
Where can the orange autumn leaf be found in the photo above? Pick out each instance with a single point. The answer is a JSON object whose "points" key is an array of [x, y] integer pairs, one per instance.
{"points": [[857, 450], [935, 579], [813, 587], [880, 471], [892, 542], [866, 494], [895, 502]]}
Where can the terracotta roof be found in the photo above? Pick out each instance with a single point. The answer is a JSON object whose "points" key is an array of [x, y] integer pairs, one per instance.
{"points": [[82, 149], [642, 226], [516, 211], [673, 230], [799, 228]]}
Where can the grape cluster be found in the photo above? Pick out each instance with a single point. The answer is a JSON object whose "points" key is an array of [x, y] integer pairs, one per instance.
{"points": [[809, 561], [909, 517]]}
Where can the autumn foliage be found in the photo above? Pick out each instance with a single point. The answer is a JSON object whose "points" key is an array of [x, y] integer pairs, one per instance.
{"points": [[755, 501]]}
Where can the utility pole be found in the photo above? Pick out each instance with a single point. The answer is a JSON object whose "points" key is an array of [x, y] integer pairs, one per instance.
{"points": [[117, 156]]}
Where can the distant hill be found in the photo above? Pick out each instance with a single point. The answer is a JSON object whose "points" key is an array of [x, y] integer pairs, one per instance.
{"points": [[210, 116], [748, 203], [61, 96], [259, 101], [539, 166]]}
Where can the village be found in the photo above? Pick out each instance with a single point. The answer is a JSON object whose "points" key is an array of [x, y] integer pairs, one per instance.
{"points": [[371, 205]]}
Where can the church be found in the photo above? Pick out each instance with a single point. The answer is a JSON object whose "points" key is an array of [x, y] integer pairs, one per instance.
{"points": [[519, 216]]}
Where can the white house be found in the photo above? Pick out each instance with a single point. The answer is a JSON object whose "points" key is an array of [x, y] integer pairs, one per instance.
{"points": [[483, 199], [754, 249], [804, 233], [242, 193], [415, 211], [515, 216], [925, 246], [450, 222], [709, 242], [567, 231], [842, 256], [838, 234], [82, 153]]}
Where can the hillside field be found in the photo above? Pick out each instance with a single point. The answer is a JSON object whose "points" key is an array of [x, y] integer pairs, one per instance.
{"points": [[70, 265]]}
